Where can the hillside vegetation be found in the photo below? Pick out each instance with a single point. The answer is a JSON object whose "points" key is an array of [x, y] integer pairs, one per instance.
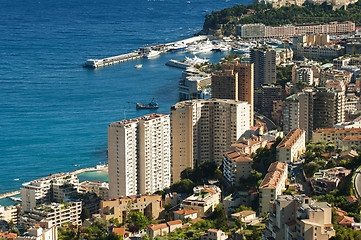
{"points": [[226, 19]]}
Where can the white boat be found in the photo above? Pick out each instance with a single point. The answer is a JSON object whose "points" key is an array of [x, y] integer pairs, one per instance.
{"points": [[201, 47], [178, 47], [152, 54], [187, 62], [138, 66]]}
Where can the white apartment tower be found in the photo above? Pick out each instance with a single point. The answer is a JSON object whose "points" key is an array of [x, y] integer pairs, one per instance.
{"points": [[139, 155], [203, 129]]}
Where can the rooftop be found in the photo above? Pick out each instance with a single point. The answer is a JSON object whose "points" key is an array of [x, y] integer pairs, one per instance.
{"points": [[291, 138], [338, 130], [185, 212], [238, 157], [142, 118]]}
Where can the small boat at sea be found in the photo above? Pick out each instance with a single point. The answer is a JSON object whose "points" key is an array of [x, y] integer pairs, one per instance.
{"points": [[138, 66], [16, 179], [152, 105]]}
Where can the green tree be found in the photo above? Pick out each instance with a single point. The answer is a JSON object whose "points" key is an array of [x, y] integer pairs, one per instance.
{"points": [[220, 218], [138, 219], [84, 214]]}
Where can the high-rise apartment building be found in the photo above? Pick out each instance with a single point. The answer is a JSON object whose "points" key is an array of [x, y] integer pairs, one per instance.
{"points": [[235, 81], [314, 109], [203, 129], [139, 155], [264, 60], [270, 94]]}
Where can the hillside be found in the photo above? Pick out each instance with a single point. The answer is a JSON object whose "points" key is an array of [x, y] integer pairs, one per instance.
{"points": [[226, 19]]}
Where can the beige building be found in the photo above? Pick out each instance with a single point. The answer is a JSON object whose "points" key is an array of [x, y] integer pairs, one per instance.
{"points": [[184, 214], [214, 234], [162, 229], [54, 213], [272, 185], [202, 130], [139, 155], [204, 200], [235, 81], [250, 145], [299, 217], [332, 134], [101, 189], [119, 208], [9, 213], [292, 146], [235, 166], [53, 188]]}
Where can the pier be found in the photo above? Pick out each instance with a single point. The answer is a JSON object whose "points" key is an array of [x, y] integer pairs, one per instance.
{"points": [[162, 48], [97, 63], [9, 194]]}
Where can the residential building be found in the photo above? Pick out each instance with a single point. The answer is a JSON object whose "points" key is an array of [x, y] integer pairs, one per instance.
{"points": [[42, 231], [235, 81], [10, 213], [250, 145], [313, 109], [270, 93], [316, 52], [53, 188], [304, 74], [272, 185], [162, 229], [185, 213], [299, 217], [101, 189], [139, 155], [292, 146], [204, 200], [264, 60], [333, 134], [236, 166], [8, 235], [202, 130], [246, 216], [214, 234], [119, 208], [325, 181], [54, 213]]}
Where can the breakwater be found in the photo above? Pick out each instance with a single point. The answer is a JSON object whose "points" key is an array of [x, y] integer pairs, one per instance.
{"points": [[9, 194], [162, 48]]}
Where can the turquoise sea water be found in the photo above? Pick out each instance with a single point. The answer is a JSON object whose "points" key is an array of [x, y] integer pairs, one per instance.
{"points": [[54, 113], [93, 176]]}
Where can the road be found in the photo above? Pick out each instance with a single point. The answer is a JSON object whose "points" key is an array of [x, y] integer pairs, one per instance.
{"points": [[305, 187], [270, 125], [357, 183]]}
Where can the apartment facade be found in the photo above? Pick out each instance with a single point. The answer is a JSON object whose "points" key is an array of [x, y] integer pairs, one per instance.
{"points": [[264, 60], [299, 217], [292, 146], [44, 231], [55, 213], [236, 166], [139, 155], [235, 81], [204, 200], [344, 138], [119, 208], [272, 185], [55, 187], [203, 129], [270, 93], [101, 189]]}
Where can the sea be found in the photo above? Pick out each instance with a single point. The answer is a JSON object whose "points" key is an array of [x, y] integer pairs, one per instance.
{"points": [[53, 112]]}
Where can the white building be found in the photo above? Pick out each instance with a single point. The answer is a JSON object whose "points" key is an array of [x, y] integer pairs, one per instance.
{"points": [[304, 74], [43, 231], [9, 214], [54, 213], [139, 155], [204, 200], [55, 187]]}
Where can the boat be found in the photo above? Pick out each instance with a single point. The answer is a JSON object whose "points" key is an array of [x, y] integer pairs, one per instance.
{"points": [[152, 105], [178, 47], [204, 47], [152, 54], [16, 179], [138, 66], [187, 62]]}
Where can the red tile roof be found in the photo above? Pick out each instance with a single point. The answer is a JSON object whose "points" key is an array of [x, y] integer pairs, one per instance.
{"points": [[185, 212]]}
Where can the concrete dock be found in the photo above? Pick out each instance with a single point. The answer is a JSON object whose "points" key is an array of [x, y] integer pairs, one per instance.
{"points": [[9, 194], [97, 63]]}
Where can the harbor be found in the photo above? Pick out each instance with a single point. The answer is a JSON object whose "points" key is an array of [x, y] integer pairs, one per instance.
{"points": [[143, 52]]}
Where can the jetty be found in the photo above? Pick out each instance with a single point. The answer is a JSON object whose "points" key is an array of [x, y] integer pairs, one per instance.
{"points": [[9, 194], [162, 48], [97, 63]]}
